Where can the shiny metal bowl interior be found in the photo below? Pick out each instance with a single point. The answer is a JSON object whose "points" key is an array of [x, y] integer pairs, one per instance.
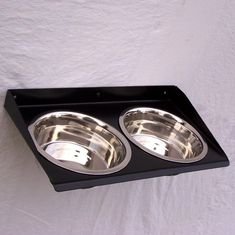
{"points": [[80, 143], [163, 135]]}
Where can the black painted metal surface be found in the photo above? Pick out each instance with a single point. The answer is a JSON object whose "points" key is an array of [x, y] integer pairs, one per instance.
{"points": [[107, 103]]}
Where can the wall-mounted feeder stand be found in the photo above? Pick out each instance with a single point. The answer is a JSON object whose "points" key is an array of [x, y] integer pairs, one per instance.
{"points": [[85, 137]]}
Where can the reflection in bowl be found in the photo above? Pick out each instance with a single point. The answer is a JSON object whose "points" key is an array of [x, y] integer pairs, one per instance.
{"points": [[163, 135], [80, 143]]}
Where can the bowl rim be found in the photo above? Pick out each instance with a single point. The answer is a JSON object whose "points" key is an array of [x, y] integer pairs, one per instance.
{"points": [[177, 119], [70, 165]]}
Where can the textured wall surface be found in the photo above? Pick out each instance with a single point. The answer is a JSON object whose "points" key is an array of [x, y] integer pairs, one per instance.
{"points": [[54, 43]]}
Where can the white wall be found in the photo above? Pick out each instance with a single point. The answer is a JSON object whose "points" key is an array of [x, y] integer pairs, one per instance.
{"points": [[55, 43]]}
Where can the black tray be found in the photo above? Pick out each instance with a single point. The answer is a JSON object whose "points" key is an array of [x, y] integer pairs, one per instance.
{"points": [[107, 103]]}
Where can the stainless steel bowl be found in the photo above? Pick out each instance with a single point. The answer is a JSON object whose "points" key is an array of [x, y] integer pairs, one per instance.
{"points": [[80, 143], [163, 135]]}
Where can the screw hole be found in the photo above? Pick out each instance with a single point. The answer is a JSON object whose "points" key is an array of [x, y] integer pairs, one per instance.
{"points": [[98, 94], [14, 96], [164, 92]]}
